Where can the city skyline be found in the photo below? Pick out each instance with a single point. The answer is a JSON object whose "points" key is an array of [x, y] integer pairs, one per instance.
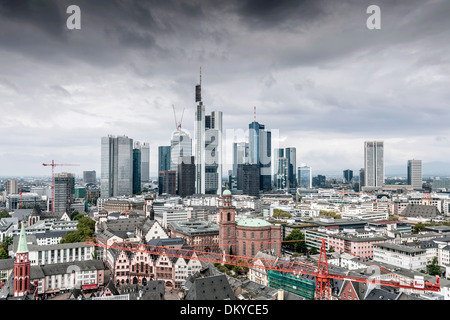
{"points": [[313, 70]]}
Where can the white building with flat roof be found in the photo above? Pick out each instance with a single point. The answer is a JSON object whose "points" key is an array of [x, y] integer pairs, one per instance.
{"points": [[400, 256]]}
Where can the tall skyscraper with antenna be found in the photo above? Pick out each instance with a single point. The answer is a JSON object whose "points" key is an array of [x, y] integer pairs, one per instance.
{"points": [[208, 147], [199, 139]]}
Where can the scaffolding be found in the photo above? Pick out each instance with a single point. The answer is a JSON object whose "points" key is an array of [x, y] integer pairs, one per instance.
{"points": [[291, 283]]}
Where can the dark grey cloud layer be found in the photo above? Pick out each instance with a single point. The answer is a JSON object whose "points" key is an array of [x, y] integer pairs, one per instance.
{"points": [[312, 68]]}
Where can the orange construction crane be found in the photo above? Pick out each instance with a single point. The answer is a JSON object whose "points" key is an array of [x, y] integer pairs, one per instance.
{"points": [[53, 165], [321, 272]]}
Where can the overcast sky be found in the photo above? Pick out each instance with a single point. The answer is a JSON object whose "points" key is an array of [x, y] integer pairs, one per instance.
{"points": [[313, 69]]}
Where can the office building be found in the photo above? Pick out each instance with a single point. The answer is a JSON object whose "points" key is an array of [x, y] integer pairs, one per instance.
{"points": [[163, 158], [213, 153], [291, 156], [260, 146], [180, 146], [304, 177], [137, 170], [186, 176], [348, 176], [167, 182], [90, 177], [144, 148], [250, 179], [207, 148], [362, 178], [277, 154], [199, 140], [415, 173], [240, 155], [373, 163], [319, 181], [281, 182], [64, 192], [12, 186], [116, 166]]}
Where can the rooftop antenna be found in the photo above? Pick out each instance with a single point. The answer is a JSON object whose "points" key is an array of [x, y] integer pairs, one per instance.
{"points": [[254, 113], [198, 89]]}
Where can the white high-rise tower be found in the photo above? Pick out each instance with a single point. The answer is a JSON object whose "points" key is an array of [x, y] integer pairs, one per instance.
{"points": [[415, 173], [373, 163]]}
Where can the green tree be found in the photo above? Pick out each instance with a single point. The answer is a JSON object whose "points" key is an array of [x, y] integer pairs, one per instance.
{"points": [[4, 214], [418, 227], [85, 229], [297, 238], [78, 217], [74, 213], [330, 214], [4, 247], [3, 253], [433, 268], [278, 213]]}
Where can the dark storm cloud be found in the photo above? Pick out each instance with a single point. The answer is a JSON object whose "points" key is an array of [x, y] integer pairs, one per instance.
{"points": [[47, 16], [279, 13], [313, 64]]}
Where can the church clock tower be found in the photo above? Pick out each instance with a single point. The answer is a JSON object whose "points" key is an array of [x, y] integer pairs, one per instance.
{"points": [[227, 224], [22, 266]]}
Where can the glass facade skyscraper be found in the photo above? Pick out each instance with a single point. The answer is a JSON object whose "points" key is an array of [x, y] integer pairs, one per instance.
{"points": [[180, 146], [260, 149], [144, 148], [281, 181], [163, 158], [291, 156], [304, 177], [137, 170], [277, 154], [207, 148], [116, 166], [240, 155]]}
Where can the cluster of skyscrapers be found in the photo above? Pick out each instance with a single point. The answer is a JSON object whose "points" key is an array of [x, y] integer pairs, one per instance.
{"points": [[195, 166]]}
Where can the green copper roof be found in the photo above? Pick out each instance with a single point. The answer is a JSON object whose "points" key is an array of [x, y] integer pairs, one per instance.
{"points": [[22, 247], [253, 222], [227, 192]]}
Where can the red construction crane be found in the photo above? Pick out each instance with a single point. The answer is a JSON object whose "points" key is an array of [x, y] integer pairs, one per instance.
{"points": [[53, 165], [21, 189], [321, 272]]}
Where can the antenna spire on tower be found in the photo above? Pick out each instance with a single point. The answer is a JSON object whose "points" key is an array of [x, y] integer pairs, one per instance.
{"points": [[254, 113]]}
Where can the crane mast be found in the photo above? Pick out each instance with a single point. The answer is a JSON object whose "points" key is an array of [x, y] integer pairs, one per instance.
{"points": [[53, 165]]}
